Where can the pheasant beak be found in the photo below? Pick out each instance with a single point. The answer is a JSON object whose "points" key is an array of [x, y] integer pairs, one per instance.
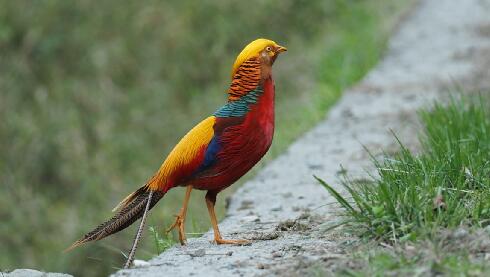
{"points": [[280, 49]]}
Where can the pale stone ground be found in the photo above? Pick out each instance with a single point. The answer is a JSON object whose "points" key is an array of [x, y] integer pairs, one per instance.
{"points": [[442, 43]]}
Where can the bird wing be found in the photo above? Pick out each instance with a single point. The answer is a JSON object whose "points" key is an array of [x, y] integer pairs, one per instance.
{"points": [[186, 157]]}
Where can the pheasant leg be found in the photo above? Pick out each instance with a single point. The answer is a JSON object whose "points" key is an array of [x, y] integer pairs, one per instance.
{"points": [[210, 202], [180, 218]]}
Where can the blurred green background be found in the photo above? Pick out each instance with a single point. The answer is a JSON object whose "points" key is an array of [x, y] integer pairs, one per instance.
{"points": [[94, 94]]}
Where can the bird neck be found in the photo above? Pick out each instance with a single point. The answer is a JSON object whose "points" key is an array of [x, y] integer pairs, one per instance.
{"points": [[250, 76]]}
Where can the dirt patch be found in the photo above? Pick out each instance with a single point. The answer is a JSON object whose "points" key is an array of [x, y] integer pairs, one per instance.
{"points": [[426, 257]]}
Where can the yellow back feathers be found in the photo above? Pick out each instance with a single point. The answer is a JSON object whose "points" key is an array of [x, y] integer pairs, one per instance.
{"points": [[183, 156], [251, 50]]}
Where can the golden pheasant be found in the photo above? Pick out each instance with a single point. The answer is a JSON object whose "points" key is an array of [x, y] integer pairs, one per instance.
{"points": [[215, 153]]}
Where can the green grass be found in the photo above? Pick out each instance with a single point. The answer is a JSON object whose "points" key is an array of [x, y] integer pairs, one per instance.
{"points": [[447, 184], [414, 197], [161, 243], [95, 94]]}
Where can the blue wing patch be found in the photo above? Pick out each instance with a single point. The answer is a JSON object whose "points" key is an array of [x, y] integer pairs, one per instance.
{"points": [[210, 155]]}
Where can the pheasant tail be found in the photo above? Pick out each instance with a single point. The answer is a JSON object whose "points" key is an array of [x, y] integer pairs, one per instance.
{"points": [[126, 201], [130, 209]]}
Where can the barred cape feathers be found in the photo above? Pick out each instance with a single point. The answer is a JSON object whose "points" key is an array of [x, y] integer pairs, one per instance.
{"points": [[245, 80]]}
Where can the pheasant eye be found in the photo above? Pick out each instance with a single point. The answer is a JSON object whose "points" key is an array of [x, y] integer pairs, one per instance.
{"points": [[268, 49]]}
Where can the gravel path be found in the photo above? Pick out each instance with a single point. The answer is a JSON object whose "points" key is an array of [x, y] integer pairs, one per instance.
{"points": [[281, 209], [441, 43]]}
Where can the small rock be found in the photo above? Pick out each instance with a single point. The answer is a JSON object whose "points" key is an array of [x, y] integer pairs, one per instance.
{"points": [[140, 263], [460, 233], [296, 209], [487, 229], [304, 215], [264, 235], [250, 218], [32, 273], [246, 204], [276, 209], [285, 225], [410, 248], [277, 255], [292, 225], [197, 253], [332, 256], [315, 166], [262, 266]]}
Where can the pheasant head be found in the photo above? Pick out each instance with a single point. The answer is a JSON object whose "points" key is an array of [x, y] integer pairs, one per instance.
{"points": [[252, 66]]}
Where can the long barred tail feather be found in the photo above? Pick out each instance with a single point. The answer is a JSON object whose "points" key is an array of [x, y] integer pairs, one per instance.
{"points": [[131, 209], [131, 254]]}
